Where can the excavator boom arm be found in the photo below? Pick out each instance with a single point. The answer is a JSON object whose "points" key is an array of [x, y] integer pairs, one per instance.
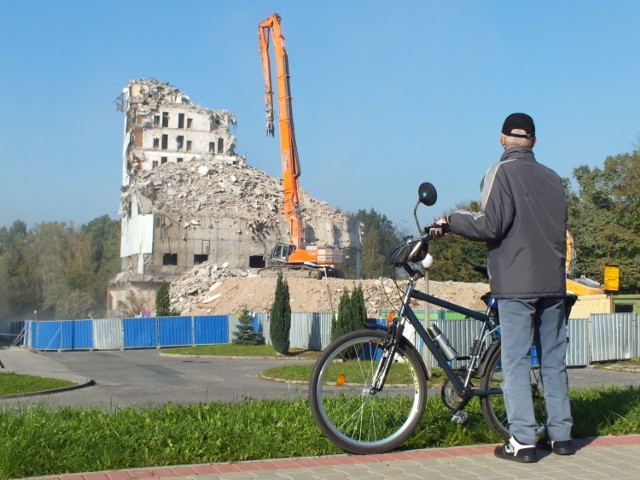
{"points": [[270, 28]]}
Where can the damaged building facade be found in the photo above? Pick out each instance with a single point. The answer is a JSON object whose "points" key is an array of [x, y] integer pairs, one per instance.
{"points": [[188, 198]]}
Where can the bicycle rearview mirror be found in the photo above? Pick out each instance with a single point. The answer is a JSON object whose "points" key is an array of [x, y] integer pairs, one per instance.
{"points": [[427, 194]]}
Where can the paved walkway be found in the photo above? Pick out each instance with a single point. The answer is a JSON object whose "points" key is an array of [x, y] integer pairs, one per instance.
{"points": [[597, 458]]}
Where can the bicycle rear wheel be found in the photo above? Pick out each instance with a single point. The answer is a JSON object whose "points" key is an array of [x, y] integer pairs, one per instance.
{"points": [[348, 412], [493, 407]]}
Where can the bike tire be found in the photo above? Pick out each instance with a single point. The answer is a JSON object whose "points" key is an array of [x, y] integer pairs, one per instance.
{"points": [[493, 406], [348, 413]]}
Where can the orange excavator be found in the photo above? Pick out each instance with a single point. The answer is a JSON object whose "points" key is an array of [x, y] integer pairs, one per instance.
{"points": [[296, 253]]}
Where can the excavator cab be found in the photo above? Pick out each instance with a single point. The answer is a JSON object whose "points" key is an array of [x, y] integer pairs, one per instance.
{"points": [[281, 252]]}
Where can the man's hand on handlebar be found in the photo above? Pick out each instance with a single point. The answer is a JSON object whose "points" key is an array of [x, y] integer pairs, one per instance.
{"points": [[440, 228]]}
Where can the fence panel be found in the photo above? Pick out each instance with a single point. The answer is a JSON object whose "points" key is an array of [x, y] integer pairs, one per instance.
{"points": [[578, 347], [140, 332], [310, 331], [613, 336], [211, 329], [108, 334], [50, 335], [175, 331], [81, 332]]}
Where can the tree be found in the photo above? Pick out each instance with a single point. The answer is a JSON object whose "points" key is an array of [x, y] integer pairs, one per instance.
{"points": [[379, 236], [280, 317], [75, 305], [163, 304], [57, 269], [604, 219], [455, 257], [352, 313], [245, 333], [359, 307]]}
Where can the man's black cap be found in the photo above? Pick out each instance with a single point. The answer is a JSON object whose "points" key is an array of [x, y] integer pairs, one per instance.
{"points": [[519, 121]]}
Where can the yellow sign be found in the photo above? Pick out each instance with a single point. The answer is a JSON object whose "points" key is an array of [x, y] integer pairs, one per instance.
{"points": [[611, 277]]}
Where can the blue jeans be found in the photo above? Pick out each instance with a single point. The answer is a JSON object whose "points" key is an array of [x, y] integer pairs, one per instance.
{"points": [[523, 321]]}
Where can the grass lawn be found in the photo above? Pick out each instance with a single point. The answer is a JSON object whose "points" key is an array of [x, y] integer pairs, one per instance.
{"points": [[14, 383]]}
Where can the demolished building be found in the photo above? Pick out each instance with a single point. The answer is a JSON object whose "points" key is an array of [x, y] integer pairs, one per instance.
{"points": [[188, 198]]}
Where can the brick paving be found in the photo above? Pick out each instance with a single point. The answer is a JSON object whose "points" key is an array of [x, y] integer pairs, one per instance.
{"points": [[595, 458]]}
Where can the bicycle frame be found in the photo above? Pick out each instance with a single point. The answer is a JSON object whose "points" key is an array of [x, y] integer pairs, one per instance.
{"points": [[462, 388]]}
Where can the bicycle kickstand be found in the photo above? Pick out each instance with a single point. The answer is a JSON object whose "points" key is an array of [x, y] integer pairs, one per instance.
{"points": [[459, 416]]}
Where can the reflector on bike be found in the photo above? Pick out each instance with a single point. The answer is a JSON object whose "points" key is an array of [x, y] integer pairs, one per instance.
{"points": [[391, 316]]}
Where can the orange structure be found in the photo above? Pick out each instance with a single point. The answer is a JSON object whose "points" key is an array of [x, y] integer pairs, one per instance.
{"points": [[295, 252]]}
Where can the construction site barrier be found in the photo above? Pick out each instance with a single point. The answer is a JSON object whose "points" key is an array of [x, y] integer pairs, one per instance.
{"points": [[602, 337]]}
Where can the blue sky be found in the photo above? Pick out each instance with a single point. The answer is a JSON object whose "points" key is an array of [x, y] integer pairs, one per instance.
{"points": [[385, 94]]}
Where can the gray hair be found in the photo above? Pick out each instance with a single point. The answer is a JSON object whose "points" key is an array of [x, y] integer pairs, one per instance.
{"points": [[511, 142]]}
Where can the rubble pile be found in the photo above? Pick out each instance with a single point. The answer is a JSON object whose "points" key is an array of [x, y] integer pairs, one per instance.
{"points": [[212, 290], [199, 191]]}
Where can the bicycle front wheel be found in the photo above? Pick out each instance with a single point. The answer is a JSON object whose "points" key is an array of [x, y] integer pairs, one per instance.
{"points": [[346, 408], [493, 406]]}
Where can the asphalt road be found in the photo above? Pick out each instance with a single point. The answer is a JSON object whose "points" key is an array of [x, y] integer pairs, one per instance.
{"points": [[148, 377]]}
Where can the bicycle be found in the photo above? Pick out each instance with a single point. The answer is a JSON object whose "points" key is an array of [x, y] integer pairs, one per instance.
{"points": [[368, 389]]}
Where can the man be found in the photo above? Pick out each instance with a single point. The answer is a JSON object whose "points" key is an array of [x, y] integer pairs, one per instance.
{"points": [[523, 220]]}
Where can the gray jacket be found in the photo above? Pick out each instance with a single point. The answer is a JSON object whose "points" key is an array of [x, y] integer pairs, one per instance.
{"points": [[523, 220]]}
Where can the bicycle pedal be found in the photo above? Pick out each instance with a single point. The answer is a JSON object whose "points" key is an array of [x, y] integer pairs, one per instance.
{"points": [[459, 417]]}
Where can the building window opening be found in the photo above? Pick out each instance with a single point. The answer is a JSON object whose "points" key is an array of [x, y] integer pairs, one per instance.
{"points": [[220, 145], [256, 261], [165, 142], [189, 122], [170, 259], [212, 147], [188, 145], [181, 120], [156, 119], [156, 143], [165, 119], [154, 164], [199, 258], [179, 160], [163, 160], [179, 142], [623, 308]]}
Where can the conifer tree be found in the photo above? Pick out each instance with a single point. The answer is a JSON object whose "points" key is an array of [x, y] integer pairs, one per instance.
{"points": [[280, 317], [359, 308], [245, 333], [350, 313], [163, 307]]}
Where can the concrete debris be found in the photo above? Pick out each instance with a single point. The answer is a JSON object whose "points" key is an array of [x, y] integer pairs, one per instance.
{"points": [[199, 190], [212, 290]]}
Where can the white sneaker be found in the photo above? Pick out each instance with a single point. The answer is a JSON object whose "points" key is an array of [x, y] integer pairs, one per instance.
{"points": [[517, 452]]}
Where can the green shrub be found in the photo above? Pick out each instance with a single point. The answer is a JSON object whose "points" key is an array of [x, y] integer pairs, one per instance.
{"points": [[163, 304], [245, 334], [280, 317], [352, 313]]}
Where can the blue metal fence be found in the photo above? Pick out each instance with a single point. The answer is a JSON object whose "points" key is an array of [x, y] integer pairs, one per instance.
{"points": [[603, 337], [116, 333]]}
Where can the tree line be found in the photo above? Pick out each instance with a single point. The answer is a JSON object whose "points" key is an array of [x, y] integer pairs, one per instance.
{"points": [[63, 272], [57, 271]]}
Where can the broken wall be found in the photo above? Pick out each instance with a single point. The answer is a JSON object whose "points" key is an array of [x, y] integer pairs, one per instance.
{"points": [[225, 212], [163, 126]]}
